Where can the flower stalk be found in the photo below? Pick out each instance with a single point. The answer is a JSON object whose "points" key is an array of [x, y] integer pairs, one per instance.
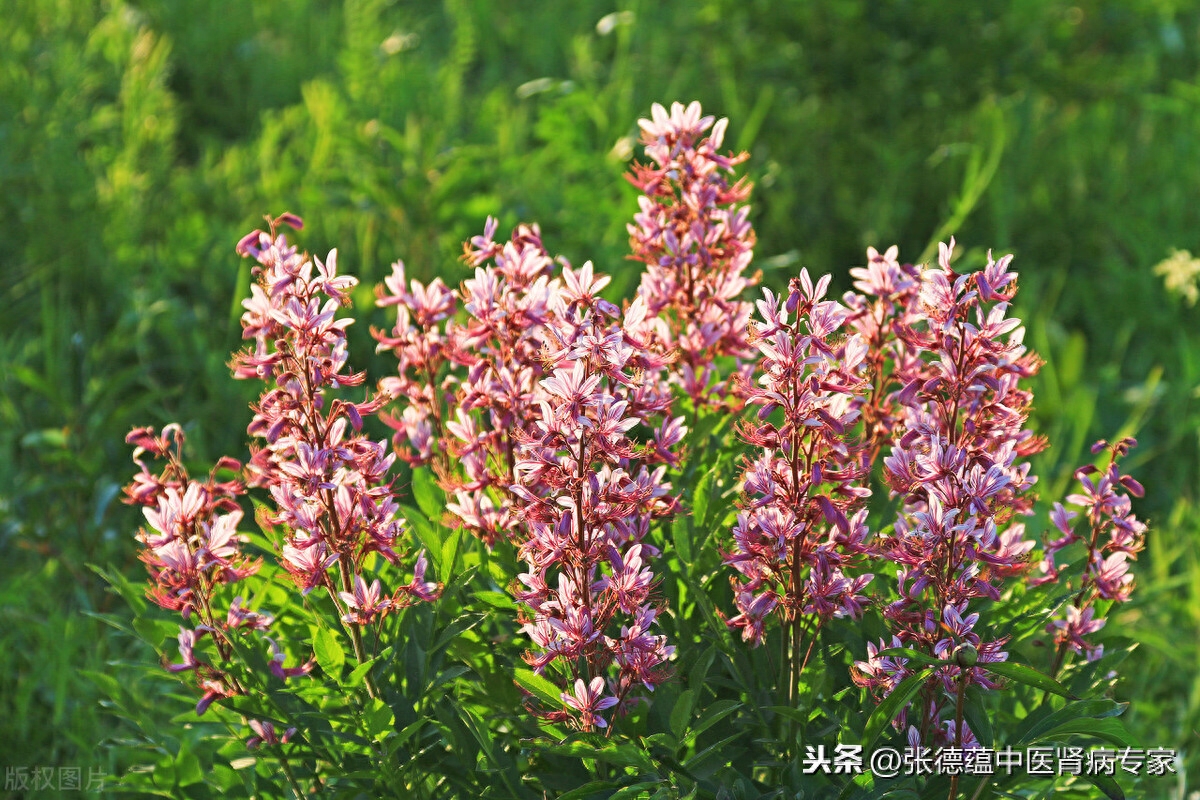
{"points": [[329, 482], [1115, 536], [587, 497], [958, 470], [694, 236], [802, 523]]}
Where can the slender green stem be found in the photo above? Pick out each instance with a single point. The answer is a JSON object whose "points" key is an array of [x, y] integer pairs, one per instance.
{"points": [[360, 652], [809, 650], [794, 678], [291, 777], [1060, 655], [958, 723], [785, 647]]}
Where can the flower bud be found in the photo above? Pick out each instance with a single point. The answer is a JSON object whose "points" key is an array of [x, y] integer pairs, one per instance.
{"points": [[965, 655]]}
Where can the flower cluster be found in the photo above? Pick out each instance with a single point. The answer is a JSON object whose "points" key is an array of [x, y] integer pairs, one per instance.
{"points": [[422, 351], [885, 315], [329, 482], [696, 242], [546, 414], [491, 367], [802, 521], [1115, 536], [509, 303], [959, 471], [587, 497], [191, 548]]}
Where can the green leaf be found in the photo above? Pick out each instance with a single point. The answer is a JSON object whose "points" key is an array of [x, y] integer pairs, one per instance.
{"points": [[187, 768], [712, 715], [977, 716], [1110, 730], [661, 741], [634, 790], [239, 293], [448, 674], [682, 535], [460, 579], [701, 497], [449, 553], [1027, 675], [406, 734], [109, 685], [538, 686], [329, 653], [864, 780], [155, 631], [700, 667], [1084, 709], [719, 630], [429, 496], [625, 754], [796, 714], [1107, 785], [589, 789], [695, 762], [426, 532], [480, 736], [48, 437], [135, 596], [914, 655], [498, 600], [360, 671], [164, 771], [378, 719], [455, 629], [117, 622], [1088, 676], [681, 714], [886, 711]]}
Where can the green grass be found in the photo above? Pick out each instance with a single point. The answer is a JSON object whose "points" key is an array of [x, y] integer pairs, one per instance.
{"points": [[139, 140]]}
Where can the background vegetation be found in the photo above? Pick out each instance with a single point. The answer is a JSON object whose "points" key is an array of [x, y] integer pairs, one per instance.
{"points": [[139, 140]]}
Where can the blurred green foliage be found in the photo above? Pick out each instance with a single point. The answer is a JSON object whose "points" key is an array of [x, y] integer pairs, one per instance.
{"points": [[139, 140]]}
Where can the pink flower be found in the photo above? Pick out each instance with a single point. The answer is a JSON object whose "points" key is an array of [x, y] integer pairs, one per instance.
{"points": [[630, 581], [419, 588], [886, 316], [282, 672], [265, 734], [754, 610], [365, 603], [187, 644], [499, 366], [1111, 577], [240, 617], [308, 563], [214, 689], [442, 365], [588, 700], [1071, 630]]}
